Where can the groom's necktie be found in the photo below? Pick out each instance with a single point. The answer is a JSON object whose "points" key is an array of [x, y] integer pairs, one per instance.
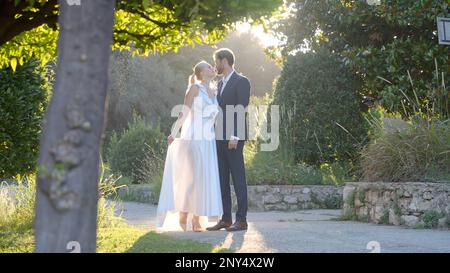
{"points": [[224, 84], [220, 88]]}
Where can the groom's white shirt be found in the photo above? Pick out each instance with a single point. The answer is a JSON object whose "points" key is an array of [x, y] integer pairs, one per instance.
{"points": [[225, 80]]}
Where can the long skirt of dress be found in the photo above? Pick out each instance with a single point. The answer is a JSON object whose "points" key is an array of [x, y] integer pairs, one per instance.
{"points": [[190, 184]]}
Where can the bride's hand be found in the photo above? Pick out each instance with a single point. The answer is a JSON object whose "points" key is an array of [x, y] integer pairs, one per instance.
{"points": [[170, 139]]}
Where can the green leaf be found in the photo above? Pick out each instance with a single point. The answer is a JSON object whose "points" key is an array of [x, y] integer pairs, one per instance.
{"points": [[146, 3], [13, 64]]}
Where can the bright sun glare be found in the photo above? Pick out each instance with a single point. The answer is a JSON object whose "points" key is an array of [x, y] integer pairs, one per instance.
{"points": [[258, 30]]}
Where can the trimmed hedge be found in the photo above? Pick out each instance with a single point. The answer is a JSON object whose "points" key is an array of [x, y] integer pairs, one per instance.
{"points": [[23, 100]]}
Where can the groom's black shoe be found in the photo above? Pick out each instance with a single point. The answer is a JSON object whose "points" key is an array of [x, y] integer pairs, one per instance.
{"points": [[238, 225], [221, 224]]}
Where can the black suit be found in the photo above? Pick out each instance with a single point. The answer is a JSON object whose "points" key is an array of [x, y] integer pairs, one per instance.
{"points": [[236, 92]]}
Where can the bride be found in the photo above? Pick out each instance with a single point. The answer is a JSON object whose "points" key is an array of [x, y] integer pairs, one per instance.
{"points": [[191, 177]]}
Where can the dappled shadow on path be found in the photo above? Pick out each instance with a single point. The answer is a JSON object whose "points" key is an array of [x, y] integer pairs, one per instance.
{"points": [[251, 240], [153, 242]]}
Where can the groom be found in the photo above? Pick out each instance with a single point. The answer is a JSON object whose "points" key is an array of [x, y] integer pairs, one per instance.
{"points": [[233, 96]]}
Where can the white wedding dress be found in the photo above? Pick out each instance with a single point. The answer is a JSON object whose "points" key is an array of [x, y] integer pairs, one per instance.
{"points": [[191, 175]]}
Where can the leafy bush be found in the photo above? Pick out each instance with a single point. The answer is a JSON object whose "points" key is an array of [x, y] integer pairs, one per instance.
{"points": [[321, 121], [152, 85], [415, 149], [378, 41], [333, 201], [276, 172], [271, 168], [23, 99], [419, 151], [430, 218], [152, 170], [147, 86], [337, 173], [130, 152], [278, 167]]}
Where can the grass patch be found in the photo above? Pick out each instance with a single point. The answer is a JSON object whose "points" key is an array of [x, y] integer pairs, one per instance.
{"points": [[17, 242], [113, 236], [120, 239], [385, 217], [151, 242], [17, 205], [419, 151]]}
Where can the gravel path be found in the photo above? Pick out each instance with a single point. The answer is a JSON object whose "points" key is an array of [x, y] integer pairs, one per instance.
{"points": [[304, 231]]}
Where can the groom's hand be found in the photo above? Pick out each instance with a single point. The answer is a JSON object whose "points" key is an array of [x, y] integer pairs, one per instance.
{"points": [[232, 144]]}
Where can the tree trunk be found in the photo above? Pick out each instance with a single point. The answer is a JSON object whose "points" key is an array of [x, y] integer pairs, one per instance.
{"points": [[68, 172]]}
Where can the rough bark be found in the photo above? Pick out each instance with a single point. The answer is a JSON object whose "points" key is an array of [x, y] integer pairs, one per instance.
{"points": [[67, 192]]}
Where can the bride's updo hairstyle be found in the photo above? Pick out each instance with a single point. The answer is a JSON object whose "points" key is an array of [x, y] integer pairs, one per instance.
{"points": [[198, 68]]}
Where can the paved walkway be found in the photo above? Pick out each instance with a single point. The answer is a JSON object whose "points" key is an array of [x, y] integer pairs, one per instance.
{"points": [[304, 231]]}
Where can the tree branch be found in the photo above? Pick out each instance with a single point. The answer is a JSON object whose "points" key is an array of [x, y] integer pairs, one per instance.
{"points": [[158, 23], [27, 21], [139, 36]]}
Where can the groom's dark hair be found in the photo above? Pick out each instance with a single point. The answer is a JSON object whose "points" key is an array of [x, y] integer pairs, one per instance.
{"points": [[225, 53]]}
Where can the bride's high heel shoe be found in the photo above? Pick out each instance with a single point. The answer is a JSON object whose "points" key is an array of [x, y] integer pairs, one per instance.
{"points": [[183, 220]]}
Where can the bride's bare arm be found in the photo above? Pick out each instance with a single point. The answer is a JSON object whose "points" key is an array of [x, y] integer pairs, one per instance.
{"points": [[188, 101]]}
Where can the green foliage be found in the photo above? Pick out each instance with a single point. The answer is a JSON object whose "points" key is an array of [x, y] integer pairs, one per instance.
{"points": [[179, 22], [23, 99], [418, 151], [140, 25], [331, 201], [349, 212], [153, 242], [106, 217], [320, 113], [128, 152], [380, 42], [385, 217], [430, 218], [271, 168], [147, 86], [117, 240], [362, 196], [17, 205], [39, 42], [252, 61], [337, 173], [109, 183], [152, 85], [277, 167]]}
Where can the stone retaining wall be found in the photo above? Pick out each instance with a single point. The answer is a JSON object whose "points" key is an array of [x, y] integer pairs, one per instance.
{"points": [[413, 204], [262, 197], [293, 197]]}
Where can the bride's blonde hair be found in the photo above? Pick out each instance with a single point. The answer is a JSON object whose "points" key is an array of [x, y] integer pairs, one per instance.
{"points": [[196, 75]]}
